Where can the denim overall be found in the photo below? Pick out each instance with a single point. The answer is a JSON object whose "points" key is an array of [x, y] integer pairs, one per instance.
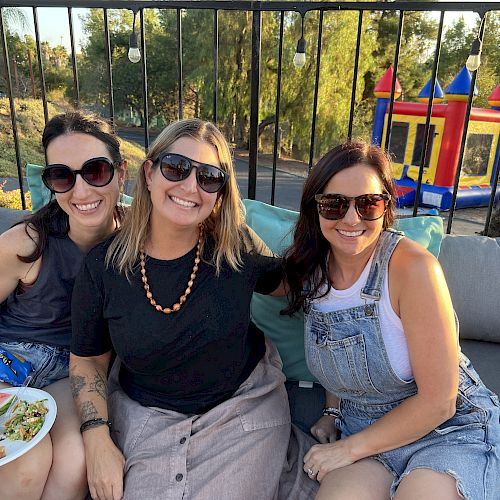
{"points": [[345, 351]]}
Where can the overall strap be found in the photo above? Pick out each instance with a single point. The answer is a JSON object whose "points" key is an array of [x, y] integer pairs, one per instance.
{"points": [[385, 247]]}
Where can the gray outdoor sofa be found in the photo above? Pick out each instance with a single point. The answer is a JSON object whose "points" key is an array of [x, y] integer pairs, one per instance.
{"points": [[472, 268]]}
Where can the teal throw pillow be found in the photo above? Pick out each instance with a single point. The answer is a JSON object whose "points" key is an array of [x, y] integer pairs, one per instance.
{"points": [[40, 195], [275, 226]]}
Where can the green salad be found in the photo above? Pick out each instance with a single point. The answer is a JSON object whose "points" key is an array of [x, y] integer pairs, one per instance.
{"points": [[26, 421]]}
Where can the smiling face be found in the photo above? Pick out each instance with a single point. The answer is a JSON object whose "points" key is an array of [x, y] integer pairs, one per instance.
{"points": [[181, 204], [87, 206], [351, 235]]}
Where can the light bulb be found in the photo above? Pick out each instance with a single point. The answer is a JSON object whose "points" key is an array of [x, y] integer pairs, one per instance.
{"points": [[473, 62], [474, 59], [134, 54], [299, 59]]}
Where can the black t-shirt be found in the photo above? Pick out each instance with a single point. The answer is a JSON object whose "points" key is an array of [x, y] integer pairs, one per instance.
{"points": [[188, 361]]}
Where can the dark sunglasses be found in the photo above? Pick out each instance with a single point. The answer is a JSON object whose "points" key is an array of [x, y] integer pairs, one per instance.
{"points": [[175, 167], [368, 206], [97, 172]]}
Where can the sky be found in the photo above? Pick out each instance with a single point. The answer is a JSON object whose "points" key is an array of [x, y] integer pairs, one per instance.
{"points": [[54, 27]]}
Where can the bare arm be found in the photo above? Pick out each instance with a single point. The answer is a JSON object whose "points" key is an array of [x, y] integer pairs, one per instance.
{"points": [[16, 242], [324, 430], [89, 386], [88, 381], [420, 295]]}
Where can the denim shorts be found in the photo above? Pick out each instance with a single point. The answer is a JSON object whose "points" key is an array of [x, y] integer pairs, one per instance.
{"points": [[48, 363], [465, 446]]}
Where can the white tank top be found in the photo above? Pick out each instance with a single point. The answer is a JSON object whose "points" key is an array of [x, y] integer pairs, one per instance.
{"points": [[390, 323]]}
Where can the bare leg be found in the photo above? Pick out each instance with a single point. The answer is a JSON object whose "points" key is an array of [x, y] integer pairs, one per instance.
{"points": [[24, 478], [366, 479], [67, 478], [428, 484]]}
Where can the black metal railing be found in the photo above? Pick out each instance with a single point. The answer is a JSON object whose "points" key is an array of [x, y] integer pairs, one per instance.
{"points": [[256, 8]]}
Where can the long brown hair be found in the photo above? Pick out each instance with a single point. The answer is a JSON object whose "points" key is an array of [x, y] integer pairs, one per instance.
{"points": [[224, 224], [305, 261], [51, 219]]}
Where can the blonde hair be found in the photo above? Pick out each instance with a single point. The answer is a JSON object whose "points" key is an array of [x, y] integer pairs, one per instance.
{"points": [[224, 224]]}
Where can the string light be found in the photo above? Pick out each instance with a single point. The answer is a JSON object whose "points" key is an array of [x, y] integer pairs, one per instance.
{"points": [[134, 53], [474, 59], [299, 59]]}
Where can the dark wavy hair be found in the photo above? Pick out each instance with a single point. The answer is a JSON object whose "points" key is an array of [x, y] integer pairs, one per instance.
{"points": [[51, 219], [306, 260]]}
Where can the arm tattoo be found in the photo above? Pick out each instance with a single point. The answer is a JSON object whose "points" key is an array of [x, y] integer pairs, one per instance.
{"points": [[88, 411], [77, 383], [99, 385]]}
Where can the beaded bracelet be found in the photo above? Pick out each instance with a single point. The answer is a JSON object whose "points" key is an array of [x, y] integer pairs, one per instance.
{"points": [[94, 422], [331, 411]]}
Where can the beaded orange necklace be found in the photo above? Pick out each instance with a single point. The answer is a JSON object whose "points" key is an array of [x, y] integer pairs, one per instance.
{"points": [[176, 306]]}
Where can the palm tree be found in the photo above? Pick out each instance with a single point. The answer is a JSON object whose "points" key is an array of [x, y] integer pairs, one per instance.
{"points": [[13, 16]]}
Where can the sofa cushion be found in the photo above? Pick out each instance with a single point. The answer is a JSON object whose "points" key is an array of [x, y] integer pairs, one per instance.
{"points": [[471, 265], [485, 358], [275, 226]]}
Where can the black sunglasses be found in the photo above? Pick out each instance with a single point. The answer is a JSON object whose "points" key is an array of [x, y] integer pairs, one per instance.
{"points": [[175, 167], [97, 172], [368, 206]]}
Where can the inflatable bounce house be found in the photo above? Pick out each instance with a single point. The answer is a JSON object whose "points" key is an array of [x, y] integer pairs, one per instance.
{"points": [[482, 150]]}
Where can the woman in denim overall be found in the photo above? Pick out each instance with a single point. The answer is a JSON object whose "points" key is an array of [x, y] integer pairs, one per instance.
{"points": [[415, 419]]}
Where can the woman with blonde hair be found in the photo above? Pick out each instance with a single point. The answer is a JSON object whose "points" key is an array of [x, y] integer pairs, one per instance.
{"points": [[198, 408]]}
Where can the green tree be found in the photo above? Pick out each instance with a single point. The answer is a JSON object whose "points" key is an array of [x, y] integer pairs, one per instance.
{"points": [[455, 50], [127, 77]]}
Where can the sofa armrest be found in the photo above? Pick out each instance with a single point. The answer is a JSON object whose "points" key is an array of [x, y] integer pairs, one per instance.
{"points": [[9, 216]]}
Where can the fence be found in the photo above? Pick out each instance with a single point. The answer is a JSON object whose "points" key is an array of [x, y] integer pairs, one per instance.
{"points": [[256, 9]]}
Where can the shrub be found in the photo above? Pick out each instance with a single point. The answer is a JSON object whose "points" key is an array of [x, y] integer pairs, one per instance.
{"points": [[12, 199]]}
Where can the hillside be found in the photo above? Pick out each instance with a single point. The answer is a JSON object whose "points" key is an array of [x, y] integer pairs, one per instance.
{"points": [[30, 123]]}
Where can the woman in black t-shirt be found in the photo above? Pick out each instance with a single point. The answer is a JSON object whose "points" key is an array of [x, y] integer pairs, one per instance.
{"points": [[197, 406]]}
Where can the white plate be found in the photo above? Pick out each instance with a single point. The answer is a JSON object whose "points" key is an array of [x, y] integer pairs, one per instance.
{"points": [[14, 449]]}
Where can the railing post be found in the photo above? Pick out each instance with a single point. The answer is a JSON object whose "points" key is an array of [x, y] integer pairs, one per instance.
{"points": [[428, 116], [107, 45], [179, 62], [316, 89], [394, 77], [13, 116], [73, 58], [216, 64], [276, 144], [144, 81], [355, 75], [464, 135], [40, 65], [254, 104]]}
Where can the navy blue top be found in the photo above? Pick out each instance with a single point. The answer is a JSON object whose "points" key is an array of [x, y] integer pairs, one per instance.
{"points": [[42, 312]]}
